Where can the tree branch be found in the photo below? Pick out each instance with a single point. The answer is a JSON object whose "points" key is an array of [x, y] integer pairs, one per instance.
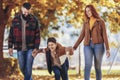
{"points": [[9, 8]]}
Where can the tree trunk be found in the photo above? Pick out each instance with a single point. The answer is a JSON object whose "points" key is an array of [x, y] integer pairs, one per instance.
{"points": [[2, 27], [1, 40], [8, 66], [1, 49]]}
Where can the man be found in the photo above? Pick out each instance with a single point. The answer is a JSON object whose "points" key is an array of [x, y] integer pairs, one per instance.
{"points": [[25, 37]]}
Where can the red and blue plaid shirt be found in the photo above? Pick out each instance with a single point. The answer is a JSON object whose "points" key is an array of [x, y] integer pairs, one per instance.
{"points": [[32, 33]]}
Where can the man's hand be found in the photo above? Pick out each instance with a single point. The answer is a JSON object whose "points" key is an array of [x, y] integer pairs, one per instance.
{"points": [[34, 53], [108, 53], [10, 52]]}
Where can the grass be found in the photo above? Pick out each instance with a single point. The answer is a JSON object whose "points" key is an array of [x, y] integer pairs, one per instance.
{"points": [[74, 72], [45, 72], [44, 75], [114, 74]]}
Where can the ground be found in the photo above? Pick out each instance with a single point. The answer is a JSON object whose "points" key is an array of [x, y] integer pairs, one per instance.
{"points": [[43, 75]]}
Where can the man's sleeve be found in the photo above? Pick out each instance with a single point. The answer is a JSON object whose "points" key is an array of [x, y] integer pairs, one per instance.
{"points": [[10, 38], [37, 35]]}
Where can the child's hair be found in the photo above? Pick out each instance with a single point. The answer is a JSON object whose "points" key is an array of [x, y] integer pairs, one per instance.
{"points": [[51, 39]]}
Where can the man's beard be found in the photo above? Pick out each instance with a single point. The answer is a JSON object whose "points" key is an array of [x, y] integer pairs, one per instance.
{"points": [[25, 17]]}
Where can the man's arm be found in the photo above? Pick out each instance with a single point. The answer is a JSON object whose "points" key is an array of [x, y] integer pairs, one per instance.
{"points": [[37, 36], [10, 41], [37, 39]]}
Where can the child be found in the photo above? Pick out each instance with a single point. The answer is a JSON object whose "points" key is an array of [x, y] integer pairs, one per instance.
{"points": [[55, 53]]}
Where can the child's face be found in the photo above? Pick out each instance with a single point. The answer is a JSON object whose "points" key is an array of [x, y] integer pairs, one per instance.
{"points": [[52, 46]]}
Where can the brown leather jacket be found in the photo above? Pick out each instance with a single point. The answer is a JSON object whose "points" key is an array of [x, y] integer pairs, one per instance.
{"points": [[98, 34], [60, 50]]}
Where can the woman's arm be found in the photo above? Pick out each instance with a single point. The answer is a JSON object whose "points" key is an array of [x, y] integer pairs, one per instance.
{"points": [[82, 34], [105, 38], [104, 34]]}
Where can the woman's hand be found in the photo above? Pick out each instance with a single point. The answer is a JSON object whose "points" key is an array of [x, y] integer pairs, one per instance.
{"points": [[108, 53]]}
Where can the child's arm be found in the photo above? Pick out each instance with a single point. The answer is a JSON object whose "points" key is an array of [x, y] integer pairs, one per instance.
{"points": [[42, 50]]}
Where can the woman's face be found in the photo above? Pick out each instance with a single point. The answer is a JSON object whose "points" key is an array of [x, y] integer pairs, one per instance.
{"points": [[52, 46], [88, 12]]}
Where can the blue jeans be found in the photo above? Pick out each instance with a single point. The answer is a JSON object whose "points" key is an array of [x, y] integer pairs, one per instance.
{"points": [[25, 60], [63, 72], [96, 51]]}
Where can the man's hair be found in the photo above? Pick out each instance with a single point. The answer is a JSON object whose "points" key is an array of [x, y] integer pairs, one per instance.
{"points": [[51, 39], [27, 5]]}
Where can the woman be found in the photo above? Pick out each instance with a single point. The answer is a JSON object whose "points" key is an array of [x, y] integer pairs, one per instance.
{"points": [[95, 36], [56, 58]]}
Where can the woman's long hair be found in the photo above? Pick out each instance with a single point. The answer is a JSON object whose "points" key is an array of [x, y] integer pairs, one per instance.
{"points": [[93, 11]]}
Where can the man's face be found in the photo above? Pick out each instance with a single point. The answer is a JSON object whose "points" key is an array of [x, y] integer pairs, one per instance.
{"points": [[25, 12]]}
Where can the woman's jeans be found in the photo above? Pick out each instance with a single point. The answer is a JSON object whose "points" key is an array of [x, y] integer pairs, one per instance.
{"points": [[63, 71], [96, 51], [25, 60]]}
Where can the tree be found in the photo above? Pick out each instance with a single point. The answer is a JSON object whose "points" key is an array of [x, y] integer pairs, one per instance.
{"points": [[9, 6], [50, 11], [5, 10]]}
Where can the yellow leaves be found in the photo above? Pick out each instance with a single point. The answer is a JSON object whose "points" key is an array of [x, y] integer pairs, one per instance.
{"points": [[109, 3], [114, 20], [119, 20], [117, 1], [11, 66], [114, 44], [86, 1], [42, 1], [54, 35], [45, 22], [62, 1], [42, 14], [114, 27], [74, 9]]}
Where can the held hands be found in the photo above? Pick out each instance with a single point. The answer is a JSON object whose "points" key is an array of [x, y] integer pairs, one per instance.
{"points": [[34, 53], [69, 50], [43, 50]]}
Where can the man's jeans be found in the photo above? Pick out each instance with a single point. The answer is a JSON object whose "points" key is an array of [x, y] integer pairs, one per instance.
{"points": [[96, 51], [25, 60], [61, 72]]}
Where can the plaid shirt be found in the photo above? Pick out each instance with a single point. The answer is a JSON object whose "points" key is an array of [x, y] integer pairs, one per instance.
{"points": [[32, 33]]}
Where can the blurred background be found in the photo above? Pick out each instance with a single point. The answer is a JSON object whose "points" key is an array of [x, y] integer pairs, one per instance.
{"points": [[63, 19]]}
